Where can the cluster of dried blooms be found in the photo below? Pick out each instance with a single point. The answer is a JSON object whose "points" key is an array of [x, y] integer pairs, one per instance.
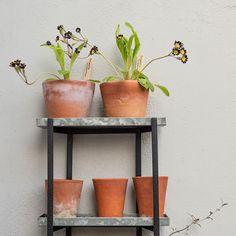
{"points": [[179, 52], [71, 40], [20, 70]]}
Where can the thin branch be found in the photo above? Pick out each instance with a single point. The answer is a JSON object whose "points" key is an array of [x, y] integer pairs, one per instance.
{"points": [[197, 221]]}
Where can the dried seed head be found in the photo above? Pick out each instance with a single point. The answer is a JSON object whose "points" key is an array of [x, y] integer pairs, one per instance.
{"points": [[175, 51], [119, 36], [17, 62], [60, 27], [184, 58], [68, 35], [78, 30], [77, 51], [12, 64], [22, 65], [178, 45], [48, 43], [93, 50]]}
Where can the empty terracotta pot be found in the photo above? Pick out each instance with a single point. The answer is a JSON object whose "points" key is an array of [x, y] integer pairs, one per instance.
{"points": [[66, 197], [110, 196], [124, 98], [144, 195], [68, 98]]}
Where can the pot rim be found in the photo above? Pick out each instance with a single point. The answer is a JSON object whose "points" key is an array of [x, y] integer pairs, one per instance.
{"points": [[150, 177], [110, 179], [69, 81], [66, 181], [120, 81]]}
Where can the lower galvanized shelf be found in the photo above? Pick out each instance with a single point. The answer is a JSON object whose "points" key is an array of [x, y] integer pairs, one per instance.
{"points": [[93, 221]]}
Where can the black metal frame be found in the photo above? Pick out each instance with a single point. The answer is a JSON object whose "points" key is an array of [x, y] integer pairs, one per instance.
{"points": [[70, 131]]}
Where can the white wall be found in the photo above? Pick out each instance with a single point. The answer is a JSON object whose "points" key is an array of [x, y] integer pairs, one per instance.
{"points": [[197, 148]]}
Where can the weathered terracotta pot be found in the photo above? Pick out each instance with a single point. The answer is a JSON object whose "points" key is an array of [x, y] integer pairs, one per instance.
{"points": [[124, 98], [68, 98], [144, 195], [66, 197], [110, 196]]}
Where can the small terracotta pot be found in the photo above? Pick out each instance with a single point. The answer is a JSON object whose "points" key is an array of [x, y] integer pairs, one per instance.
{"points": [[124, 98], [144, 194], [110, 196], [68, 98], [66, 197]]}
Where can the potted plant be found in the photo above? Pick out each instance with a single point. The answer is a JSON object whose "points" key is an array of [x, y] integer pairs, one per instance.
{"points": [[143, 186], [125, 94], [63, 96], [66, 197], [110, 196]]}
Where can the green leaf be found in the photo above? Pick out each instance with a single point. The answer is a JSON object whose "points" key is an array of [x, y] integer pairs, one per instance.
{"points": [[59, 53], [51, 79], [163, 89], [75, 55], [108, 79], [94, 81], [63, 72], [121, 44], [136, 40]]}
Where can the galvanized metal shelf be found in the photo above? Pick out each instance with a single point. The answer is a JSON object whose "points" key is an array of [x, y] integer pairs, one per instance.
{"points": [[102, 125], [129, 220]]}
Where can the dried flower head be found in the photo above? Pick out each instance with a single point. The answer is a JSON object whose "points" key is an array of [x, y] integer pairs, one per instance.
{"points": [[48, 43], [57, 38], [78, 30], [119, 36], [175, 51], [178, 45], [60, 27], [184, 58], [183, 51], [93, 50]]}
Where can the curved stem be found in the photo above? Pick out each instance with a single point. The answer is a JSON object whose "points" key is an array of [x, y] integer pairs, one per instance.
{"points": [[118, 73], [155, 59]]}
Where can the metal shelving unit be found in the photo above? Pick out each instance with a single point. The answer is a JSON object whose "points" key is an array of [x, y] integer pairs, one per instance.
{"points": [[100, 125]]}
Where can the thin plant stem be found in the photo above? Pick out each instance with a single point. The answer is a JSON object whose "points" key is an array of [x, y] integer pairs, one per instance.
{"points": [[155, 59]]}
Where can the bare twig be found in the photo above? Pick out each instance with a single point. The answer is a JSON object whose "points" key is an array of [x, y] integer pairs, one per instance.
{"points": [[197, 221]]}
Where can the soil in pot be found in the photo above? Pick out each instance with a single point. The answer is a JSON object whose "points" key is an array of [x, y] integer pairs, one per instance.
{"points": [[110, 196], [144, 194], [124, 98], [66, 197], [68, 98]]}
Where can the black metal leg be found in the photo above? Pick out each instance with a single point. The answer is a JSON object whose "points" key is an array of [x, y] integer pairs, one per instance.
{"points": [[156, 220], [50, 179], [69, 156], [69, 161], [138, 167]]}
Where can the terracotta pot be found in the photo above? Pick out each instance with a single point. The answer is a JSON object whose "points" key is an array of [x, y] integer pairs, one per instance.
{"points": [[110, 196], [66, 197], [68, 98], [144, 195], [124, 98]]}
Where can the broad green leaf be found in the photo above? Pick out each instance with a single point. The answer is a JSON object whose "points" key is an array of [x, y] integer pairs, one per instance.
{"points": [[59, 52], [75, 55], [136, 39], [163, 89], [121, 44]]}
